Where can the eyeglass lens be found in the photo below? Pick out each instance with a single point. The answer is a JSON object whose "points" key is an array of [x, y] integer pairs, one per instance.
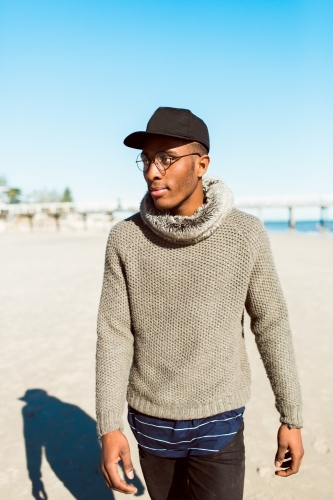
{"points": [[162, 160]]}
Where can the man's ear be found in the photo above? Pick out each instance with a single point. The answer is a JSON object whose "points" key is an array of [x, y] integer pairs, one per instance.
{"points": [[203, 165]]}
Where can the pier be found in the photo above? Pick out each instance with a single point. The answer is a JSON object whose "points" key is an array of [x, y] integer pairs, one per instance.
{"points": [[114, 209], [259, 203]]}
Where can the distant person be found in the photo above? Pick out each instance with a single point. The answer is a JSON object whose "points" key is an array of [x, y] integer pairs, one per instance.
{"points": [[178, 276]]}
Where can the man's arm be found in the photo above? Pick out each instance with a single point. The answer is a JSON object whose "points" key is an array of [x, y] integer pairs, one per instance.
{"points": [[267, 308], [114, 355]]}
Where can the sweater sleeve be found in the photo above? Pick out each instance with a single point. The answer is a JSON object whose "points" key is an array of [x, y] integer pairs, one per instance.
{"points": [[114, 351], [267, 308]]}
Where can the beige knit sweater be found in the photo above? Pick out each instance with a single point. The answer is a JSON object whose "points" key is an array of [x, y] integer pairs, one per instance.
{"points": [[170, 323]]}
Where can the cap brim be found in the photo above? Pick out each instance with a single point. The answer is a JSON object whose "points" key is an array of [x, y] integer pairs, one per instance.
{"points": [[137, 139]]}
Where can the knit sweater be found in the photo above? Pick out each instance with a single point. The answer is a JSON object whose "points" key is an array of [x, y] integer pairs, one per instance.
{"points": [[170, 322]]}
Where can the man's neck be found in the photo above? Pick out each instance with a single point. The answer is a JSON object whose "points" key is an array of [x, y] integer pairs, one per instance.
{"points": [[190, 206]]}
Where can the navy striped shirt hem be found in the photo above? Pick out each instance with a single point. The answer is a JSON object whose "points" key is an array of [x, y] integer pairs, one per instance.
{"points": [[183, 438]]}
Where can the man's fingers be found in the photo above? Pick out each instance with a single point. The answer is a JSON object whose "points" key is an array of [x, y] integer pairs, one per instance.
{"points": [[114, 481], [127, 463], [105, 475], [106, 478], [123, 487], [286, 472], [280, 455], [287, 459], [294, 462]]}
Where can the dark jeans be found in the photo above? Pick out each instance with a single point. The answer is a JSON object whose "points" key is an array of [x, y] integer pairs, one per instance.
{"points": [[218, 476]]}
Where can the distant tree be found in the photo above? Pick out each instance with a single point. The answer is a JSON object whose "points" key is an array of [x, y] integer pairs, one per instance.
{"points": [[67, 196], [13, 195]]}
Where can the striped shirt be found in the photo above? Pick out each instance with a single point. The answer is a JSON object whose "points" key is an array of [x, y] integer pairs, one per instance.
{"points": [[183, 438]]}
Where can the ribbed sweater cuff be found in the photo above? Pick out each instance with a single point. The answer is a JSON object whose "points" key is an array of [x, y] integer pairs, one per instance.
{"points": [[108, 422], [292, 416]]}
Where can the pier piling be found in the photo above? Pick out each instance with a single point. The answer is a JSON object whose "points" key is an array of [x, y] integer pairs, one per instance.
{"points": [[292, 222]]}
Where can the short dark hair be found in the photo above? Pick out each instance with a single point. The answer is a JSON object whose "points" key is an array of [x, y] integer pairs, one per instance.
{"points": [[197, 147]]}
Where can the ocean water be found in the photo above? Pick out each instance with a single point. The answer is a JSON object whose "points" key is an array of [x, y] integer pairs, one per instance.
{"points": [[304, 226]]}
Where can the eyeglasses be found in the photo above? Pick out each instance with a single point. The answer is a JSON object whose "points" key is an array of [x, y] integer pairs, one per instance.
{"points": [[162, 161]]}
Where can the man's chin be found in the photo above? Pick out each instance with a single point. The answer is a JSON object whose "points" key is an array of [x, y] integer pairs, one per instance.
{"points": [[162, 205]]}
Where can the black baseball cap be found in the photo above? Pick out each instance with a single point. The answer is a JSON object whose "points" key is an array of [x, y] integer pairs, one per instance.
{"points": [[172, 122]]}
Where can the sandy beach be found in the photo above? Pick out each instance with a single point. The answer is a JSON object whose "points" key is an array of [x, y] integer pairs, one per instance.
{"points": [[50, 287]]}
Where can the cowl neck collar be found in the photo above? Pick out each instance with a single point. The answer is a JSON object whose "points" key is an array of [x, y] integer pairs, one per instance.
{"points": [[191, 229]]}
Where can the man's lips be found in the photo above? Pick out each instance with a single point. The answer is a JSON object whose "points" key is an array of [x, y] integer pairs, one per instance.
{"points": [[157, 191]]}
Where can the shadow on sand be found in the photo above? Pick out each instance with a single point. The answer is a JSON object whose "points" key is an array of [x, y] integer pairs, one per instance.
{"points": [[68, 436]]}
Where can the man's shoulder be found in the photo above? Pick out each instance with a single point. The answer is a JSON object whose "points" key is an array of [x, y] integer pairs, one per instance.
{"points": [[126, 230], [248, 225], [245, 222], [127, 224]]}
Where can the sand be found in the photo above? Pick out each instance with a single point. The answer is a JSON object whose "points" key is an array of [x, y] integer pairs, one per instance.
{"points": [[50, 286]]}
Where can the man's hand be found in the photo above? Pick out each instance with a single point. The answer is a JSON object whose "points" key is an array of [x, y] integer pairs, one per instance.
{"points": [[290, 451], [115, 448]]}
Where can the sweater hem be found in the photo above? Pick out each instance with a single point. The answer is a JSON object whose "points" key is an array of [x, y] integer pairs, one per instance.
{"points": [[183, 412]]}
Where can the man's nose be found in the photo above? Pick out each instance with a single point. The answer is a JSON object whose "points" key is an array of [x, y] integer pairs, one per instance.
{"points": [[152, 172]]}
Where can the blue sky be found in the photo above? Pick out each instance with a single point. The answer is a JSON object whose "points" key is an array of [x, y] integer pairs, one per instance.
{"points": [[78, 76]]}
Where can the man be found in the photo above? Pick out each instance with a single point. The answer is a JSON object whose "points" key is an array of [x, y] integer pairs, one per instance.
{"points": [[178, 276]]}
